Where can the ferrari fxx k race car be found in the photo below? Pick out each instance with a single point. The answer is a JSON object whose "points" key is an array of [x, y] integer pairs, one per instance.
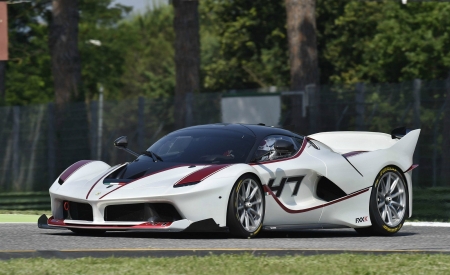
{"points": [[243, 179]]}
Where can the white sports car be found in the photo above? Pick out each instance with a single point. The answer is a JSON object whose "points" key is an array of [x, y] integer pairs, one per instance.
{"points": [[243, 179]]}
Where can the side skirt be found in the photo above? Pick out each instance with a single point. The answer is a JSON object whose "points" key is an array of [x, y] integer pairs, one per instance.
{"points": [[302, 227], [208, 225]]}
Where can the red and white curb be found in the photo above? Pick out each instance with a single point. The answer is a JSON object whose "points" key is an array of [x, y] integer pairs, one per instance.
{"points": [[427, 224]]}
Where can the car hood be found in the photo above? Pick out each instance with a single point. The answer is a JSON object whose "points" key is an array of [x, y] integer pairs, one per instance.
{"points": [[159, 177]]}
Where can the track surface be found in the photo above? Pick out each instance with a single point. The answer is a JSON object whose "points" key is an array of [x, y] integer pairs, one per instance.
{"points": [[20, 237]]}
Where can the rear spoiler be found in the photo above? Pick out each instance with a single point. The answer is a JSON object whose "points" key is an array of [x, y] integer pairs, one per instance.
{"points": [[400, 132]]}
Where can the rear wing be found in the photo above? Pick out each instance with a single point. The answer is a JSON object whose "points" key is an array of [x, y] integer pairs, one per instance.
{"points": [[400, 139], [406, 145]]}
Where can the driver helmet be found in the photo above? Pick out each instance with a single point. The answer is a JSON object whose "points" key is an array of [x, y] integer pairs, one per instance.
{"points": [[266, 150]]}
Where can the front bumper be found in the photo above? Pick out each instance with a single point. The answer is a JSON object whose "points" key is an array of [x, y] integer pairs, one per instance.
{"points": [[207, 225]]}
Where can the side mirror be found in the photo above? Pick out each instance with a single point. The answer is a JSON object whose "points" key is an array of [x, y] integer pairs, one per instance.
{"points": [[121, 142], [283, 146]]}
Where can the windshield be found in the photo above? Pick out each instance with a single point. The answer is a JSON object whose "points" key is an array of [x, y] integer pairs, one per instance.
{"points": [[204, 146]]}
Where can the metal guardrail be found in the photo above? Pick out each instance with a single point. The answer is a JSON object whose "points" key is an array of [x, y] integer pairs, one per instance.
{"points": [[25, 201]]}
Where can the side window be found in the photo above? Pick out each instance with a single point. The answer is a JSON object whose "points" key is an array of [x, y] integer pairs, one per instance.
{"points": [[266, 150]]}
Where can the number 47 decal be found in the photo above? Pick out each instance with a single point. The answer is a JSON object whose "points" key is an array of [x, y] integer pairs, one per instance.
{"points": [[279, 188]]}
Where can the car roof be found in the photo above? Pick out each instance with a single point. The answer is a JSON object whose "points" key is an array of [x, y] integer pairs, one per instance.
{"points": [[257, 130]]}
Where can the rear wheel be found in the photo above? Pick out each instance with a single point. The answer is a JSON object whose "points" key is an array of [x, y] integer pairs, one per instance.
{"points": [[388, 203], [246, 207]]}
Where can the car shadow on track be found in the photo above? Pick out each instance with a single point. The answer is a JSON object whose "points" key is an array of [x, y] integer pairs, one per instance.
{"points": [[303, 234]]}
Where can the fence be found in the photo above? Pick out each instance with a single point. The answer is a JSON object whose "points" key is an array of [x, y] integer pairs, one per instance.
{"points": [[37, 146]]}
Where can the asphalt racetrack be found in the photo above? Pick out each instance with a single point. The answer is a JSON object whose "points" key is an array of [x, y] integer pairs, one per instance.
{"points": [[18, 240]]}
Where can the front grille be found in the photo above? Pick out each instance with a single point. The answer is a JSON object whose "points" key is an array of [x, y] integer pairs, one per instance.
{"points": [[142, 212], [77, 211]]}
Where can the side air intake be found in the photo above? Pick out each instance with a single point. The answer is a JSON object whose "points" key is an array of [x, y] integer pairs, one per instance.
{"points": [[328, 190]]}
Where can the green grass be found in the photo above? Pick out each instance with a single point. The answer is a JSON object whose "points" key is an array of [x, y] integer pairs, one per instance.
{"points": [[18, 218], [237, 264], [27, 212], [22, 215]]}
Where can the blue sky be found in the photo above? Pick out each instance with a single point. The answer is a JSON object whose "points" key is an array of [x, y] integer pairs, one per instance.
{"points": [[140, 5]]}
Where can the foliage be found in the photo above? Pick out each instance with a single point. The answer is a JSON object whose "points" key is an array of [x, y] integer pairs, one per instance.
{"points": [[149, 67], [244, 44], [101, 65], [28, 75], [385, 41]]}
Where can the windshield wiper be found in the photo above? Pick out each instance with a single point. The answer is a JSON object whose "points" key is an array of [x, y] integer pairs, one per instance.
{"points": [[154, 156]]}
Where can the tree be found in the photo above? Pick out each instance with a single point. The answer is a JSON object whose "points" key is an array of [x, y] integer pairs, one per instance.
{"points": [[148, 50], [301, 30], [385, 41], [71, 120], [104, 64], [187, 55], [2, 81], [28, 80], [3, 48], [243, 44], [66, 61], [445, 172]]}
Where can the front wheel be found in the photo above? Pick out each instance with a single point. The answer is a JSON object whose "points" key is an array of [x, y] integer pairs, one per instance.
{"points": [[246, 207], [388, 203]]}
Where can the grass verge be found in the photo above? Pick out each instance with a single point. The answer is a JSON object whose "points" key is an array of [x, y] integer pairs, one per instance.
{"points": [[27, 212], [22, 215], [18, 218], [237, 264]]}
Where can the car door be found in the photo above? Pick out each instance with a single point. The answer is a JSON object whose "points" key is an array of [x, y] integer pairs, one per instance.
{"points": [[289, 182]]}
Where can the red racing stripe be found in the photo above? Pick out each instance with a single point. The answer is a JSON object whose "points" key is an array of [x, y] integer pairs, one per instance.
{"points": [[414, 166], [353, 153], [104, 175], [72, 169], [146, 225], [202, 174], [291, 211]]}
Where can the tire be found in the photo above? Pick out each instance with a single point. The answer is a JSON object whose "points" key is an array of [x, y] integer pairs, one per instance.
{"points": [[246, 207], [388, 208], [87, 232]]}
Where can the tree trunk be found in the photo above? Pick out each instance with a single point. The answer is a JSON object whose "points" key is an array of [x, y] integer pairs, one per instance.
{"points": [[2, 81], [187, 55], [3, 49], [63, 42], [445, 174], [71, 124], [301, 31]]}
